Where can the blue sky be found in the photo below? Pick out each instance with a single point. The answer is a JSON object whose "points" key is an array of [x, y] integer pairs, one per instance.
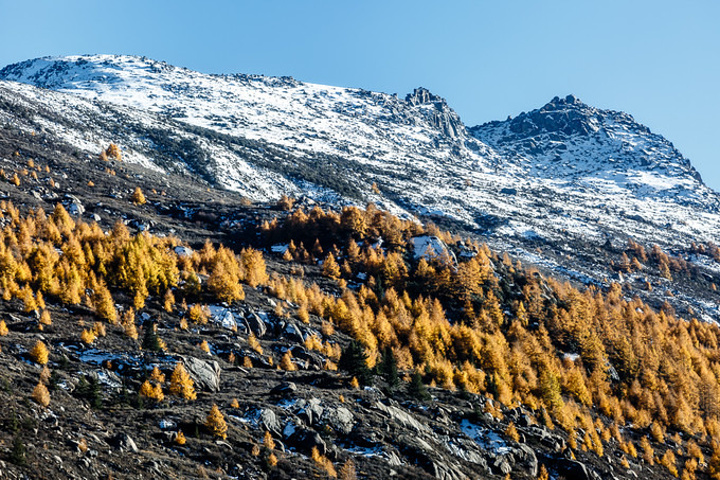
{"points": [[658, 60]]}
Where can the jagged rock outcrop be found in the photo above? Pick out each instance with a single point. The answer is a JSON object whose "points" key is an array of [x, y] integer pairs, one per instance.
{"points": [[441, 116]]}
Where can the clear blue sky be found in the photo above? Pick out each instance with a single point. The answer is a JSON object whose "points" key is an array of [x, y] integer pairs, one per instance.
{"points": [[658, 60]]}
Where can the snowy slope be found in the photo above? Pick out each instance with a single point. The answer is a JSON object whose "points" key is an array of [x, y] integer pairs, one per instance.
{"points": [[564, 170]]}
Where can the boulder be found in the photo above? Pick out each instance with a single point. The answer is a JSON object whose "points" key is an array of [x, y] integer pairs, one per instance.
{"points": [[525, 456], [256, 325], [444, 471], [403, 418], [292, 332], [300, 353], [340, 419], [312, 411], [284, 389], [125, 443], [270, 422], [205, 373], [73, 205]]}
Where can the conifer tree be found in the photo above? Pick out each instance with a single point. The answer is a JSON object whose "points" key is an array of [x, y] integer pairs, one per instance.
{"points": [[104, 304], [417, 388], [151, 342], [156, 375], [388, 368], [138, 198], [168, 301], [113, 151], [354, 360], [40, 353], [286, 362], [41, 395], [148, 390], [224, 284], [181, 384], [87, 336], [330, 267], [215, 422]]}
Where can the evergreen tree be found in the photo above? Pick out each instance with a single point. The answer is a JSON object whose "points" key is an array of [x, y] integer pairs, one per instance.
{"points": [[354, 361], [417, 388], [89, 389], [388, 368], [151, 342], [17, 454]]}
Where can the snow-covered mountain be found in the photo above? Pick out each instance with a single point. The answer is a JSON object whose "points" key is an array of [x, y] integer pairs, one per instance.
{"points": [[564, 172]]}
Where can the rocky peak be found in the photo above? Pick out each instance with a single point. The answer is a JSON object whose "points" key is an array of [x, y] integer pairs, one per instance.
{"points": [[567, 115], [422, 95], [442, 116], [568, 100]]}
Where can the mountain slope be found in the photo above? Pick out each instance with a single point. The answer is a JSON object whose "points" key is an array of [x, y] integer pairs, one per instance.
{"points": [[600, 377], [566, 178]]}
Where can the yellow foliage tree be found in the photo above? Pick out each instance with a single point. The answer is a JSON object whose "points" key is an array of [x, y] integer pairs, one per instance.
{"points": [[148, 390], [215, 422], [156, 375], [225, 283], [40, 353], [181, 384], [41, 395], [104, 304], [286, 362], [87, 336], [254, 265], [168, 301], [113, 151], [45, 318], [330, 267], [268, 441], [138, 198]]}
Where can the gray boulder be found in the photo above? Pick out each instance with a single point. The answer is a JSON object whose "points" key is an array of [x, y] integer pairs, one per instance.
{"points": [[311, 411], [270, 422], [256, 324], [574, 470], [340, 419], [403, 418], [285, 389], [125, 443], [525, 456], [205, 373]]}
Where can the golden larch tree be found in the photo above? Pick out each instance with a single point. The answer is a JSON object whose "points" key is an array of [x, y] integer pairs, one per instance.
{"points": [[215, 422], [138, 198], [40, 353], [181, 384]]}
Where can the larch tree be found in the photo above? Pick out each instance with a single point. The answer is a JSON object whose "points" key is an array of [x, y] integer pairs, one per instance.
{"points": [[181, 384], [40, 353], [215, 422], [138, 198]]}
